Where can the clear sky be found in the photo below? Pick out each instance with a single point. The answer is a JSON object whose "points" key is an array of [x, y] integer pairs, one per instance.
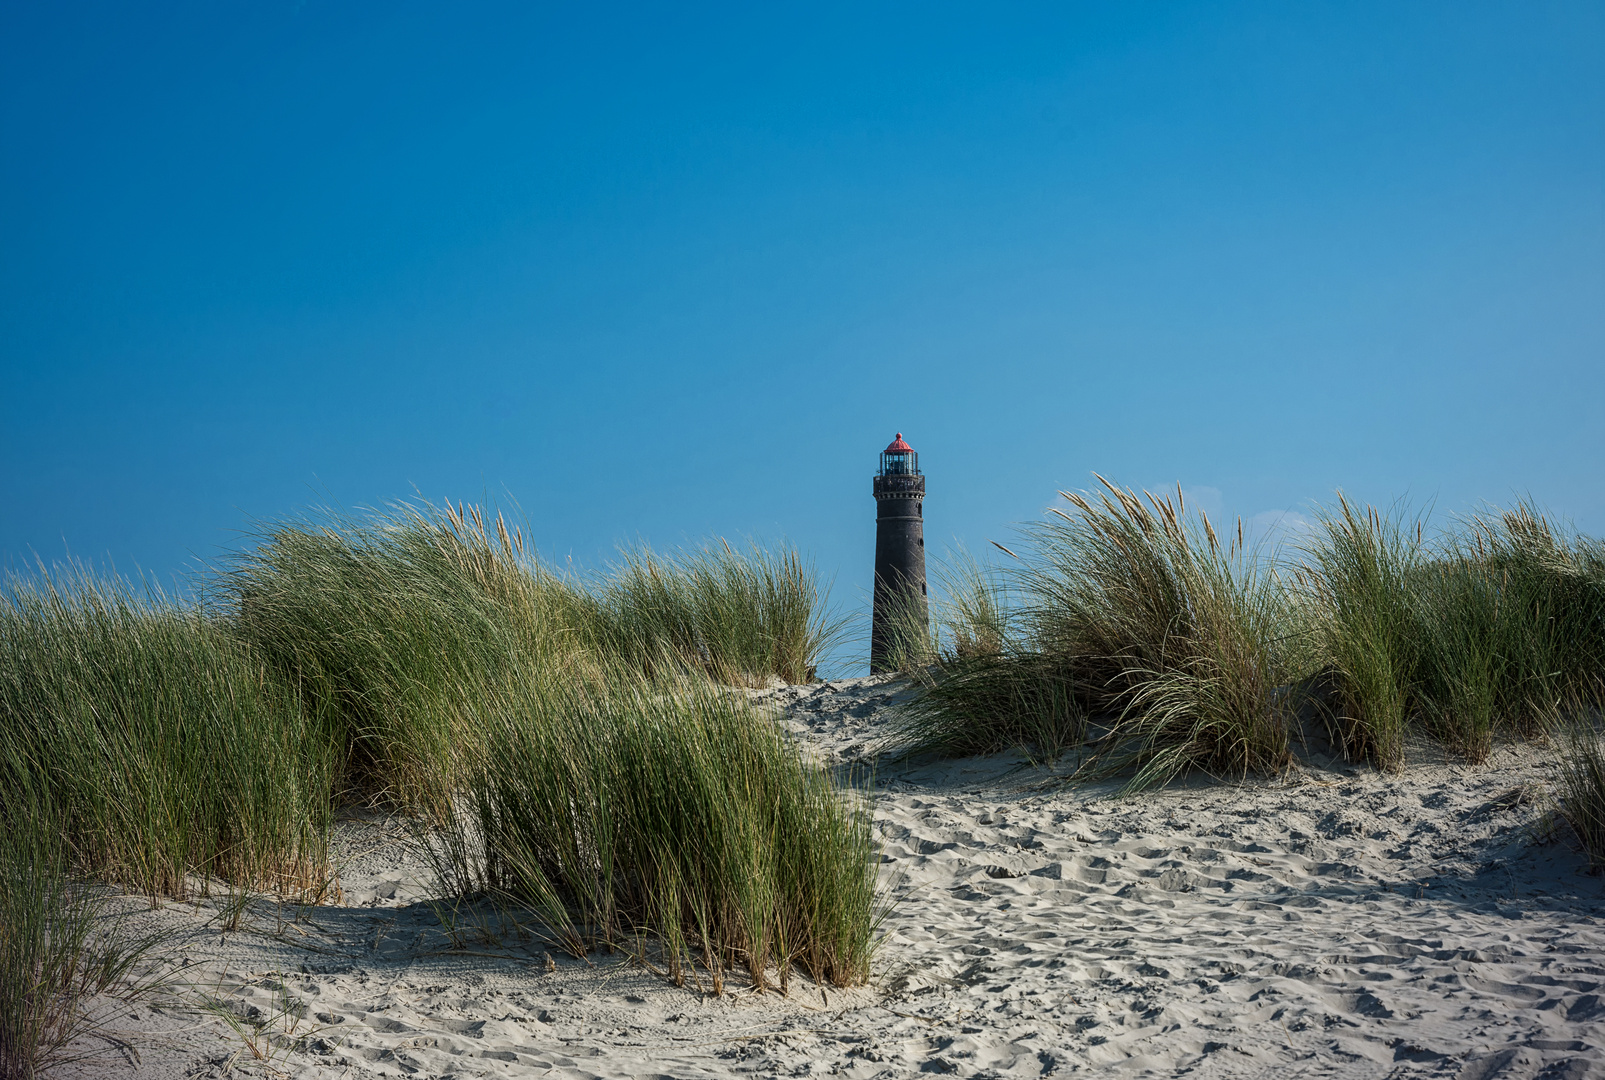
{"points": [[669, 270]]}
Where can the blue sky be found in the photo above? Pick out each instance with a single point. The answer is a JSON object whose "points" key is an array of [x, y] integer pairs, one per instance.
{"points": [[669, 271]]}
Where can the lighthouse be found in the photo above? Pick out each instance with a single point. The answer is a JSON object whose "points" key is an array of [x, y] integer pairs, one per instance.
{"points": [[899, 597]]}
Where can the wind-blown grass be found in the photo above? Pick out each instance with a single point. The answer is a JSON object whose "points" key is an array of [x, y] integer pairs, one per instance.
{"points": [[393, 630], [737, 615], [424, 658], [1177, 637], [975, 611], [982, 688], [904, 627], [167, 746], [1361, 577], [397, 629], [1127, 623], [1135, 614], [988, 703], [614, 806], [1490, 628], [566, 737], [1517, 607]]}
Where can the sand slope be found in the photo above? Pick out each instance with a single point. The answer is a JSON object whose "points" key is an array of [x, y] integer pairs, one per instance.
{"points": [[1333, 924]]}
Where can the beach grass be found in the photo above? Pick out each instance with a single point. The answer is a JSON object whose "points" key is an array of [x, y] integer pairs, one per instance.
{"points": [[1177, 636], [1483, 631], [973, 617], [1582, 784], [1129, 629], [910, 641], [171, 752], [392, 629], [1360, 577], [585, 732], [397, 628], [741, 616], [618, 807], [1136, 628], [1518, 606], [578, 745], [63, 957], [989, 703], [566, 742], [981, 688]]}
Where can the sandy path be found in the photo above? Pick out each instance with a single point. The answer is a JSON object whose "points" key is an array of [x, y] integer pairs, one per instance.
{"points": [[1336, 924]]}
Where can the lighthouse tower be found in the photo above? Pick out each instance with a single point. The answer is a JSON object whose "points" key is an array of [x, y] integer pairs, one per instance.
{"points": [[899, 552]]}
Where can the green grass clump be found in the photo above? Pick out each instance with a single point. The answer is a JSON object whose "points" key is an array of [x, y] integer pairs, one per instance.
{"points": [[392, 630], [1516, 608], [907, 639], [397, 630], [1133, 613], [988, 703], [167, 745], [1172, 634], [982, 686], [974, 618], [739, 616], [567, 737], [617, 806], [1487, 630], [1362, 575], [1128, 627]]}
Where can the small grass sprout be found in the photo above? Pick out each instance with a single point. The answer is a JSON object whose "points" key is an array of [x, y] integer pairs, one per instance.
{"points": [[64, 957]]}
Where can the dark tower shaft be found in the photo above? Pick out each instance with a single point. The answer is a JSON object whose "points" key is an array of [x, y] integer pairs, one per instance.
{"points": [[901, 617]]}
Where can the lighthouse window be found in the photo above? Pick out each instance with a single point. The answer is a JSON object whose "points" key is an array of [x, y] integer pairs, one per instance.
{"points": [[899, 464]]}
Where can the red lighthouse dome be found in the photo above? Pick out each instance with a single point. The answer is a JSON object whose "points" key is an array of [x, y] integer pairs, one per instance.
{"points": [[899, 459]]}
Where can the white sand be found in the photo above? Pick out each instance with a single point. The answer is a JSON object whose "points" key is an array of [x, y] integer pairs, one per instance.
{"points": [[1334, 924]]}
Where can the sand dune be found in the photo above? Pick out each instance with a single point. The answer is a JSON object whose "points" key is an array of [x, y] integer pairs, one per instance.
{"points": [[1334, 923]]}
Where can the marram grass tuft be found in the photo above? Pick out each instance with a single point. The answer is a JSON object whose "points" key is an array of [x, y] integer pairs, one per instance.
{"points": [[616, 806], [1127, 630], [168, 746], [1134, 627]]}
